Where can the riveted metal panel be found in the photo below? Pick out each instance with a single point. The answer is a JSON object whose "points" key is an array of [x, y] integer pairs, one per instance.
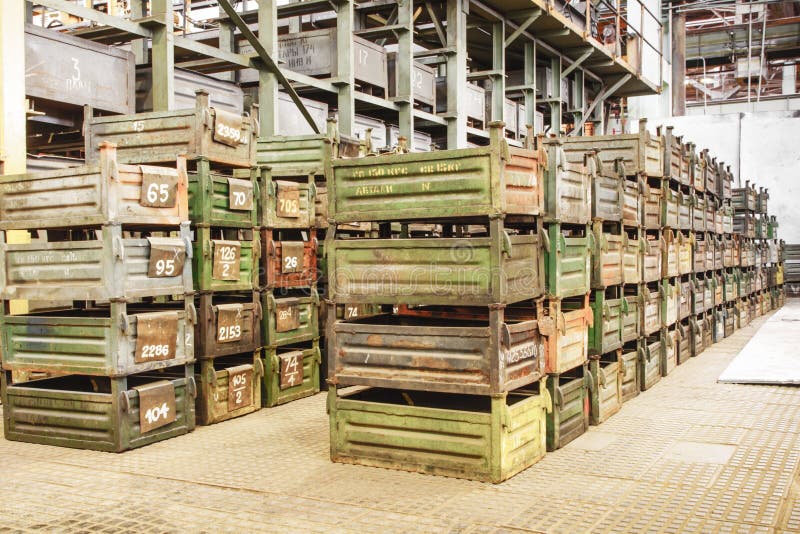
{"points": [[607, 264], [466, 436], [652, 258], [631, 318], [629, 373], [565, 326], [607, 196], [90, 195], [651, 310], [669, 207], [650, 361], [606, 390], [207, 240], [568, 191], [631, 203], [568, 260], [670, 301], [95, 413], [632, 257], [652, 199]]}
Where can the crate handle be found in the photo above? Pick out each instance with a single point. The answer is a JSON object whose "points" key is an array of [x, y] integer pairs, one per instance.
{"points": [[211, 377], [119, 248], [643, 356], [604, 243], [547, 399], [506, 335], [588, 379], [606, 308], [562, 322], [259, 367], [125, 401], [506, 244], [624, 305], [314, 296], [124, 323], [590, 241], [601, 377], [271, 302], [545, 239], [312, 190], [188, 245], [559, 401], [192, 386], [192, 312]]}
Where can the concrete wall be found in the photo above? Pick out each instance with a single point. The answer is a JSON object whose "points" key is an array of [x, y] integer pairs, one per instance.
{"points": [[761, 147]]}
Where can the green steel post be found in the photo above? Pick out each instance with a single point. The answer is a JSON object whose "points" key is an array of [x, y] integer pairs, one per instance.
{"points": [[456, 72], [163, 57], [345, 25], [405, 69], [267, 81]]}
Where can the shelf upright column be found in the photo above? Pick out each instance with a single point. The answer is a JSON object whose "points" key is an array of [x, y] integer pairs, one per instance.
{"points": [[267, 81], [345, 21], [529, 72], [456, 72], [405, 68], [163, 56]]}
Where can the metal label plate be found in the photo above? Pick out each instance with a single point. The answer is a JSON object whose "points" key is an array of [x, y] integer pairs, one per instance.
{"points": [[291, 369], [156, 405], [227, 258], [229, 323], [240, 386], [292, 256], [156, 337], [228, 128], [159, 187], [240, 194], [287, 317], [287, 201], [167, 256]]}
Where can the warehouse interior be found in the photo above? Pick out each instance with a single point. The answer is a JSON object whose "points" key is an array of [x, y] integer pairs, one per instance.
{"points": [[400, 266]]}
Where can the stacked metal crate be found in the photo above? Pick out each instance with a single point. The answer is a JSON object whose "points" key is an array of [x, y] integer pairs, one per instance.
{"points": [[219, 147], [109, 268], [454, 369], [638, 162], [568, 246]]}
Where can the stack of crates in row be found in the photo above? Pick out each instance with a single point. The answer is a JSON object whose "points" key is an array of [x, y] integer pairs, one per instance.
{"points": [[452, 375], [109, 274]]}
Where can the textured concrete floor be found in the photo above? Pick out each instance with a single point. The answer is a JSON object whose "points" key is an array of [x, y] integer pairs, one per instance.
{"points": [[690, 455]]}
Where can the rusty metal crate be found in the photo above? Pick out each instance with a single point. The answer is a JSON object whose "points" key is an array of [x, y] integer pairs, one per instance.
{"points": [[608, 194], [650, 361], [698, 213], [697, 168], [633, 247], [685, 298], [718, 322], [676, 158], [744, 224], [287, 203], [291, 372], [484, 353], [651, 303], [712, 175], [700, 246], [567, 184], [635, 154], [289, 258], [669, 292], [486, 438], [99, 264], [629, 372], [230, 386], [685, 247], [607, 265], [697, 326], [291, 317], [105, 192], [683, 348], [225, 139], [228, 323], [632, 202], [99, 413], [605, 330], [564, 324], [743, 199], [652, 258], [762, 198], [225, 259], [567, 261], [631, 316], [670, 200], [652, 200], [670, 242], [223, 200], [606, 390], [500, 268], [669, 350], [448, 184], [100, 340], [571, 406]]}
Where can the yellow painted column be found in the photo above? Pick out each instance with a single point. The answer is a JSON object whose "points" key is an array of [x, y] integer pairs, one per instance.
{"points": [[12, 105]]}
